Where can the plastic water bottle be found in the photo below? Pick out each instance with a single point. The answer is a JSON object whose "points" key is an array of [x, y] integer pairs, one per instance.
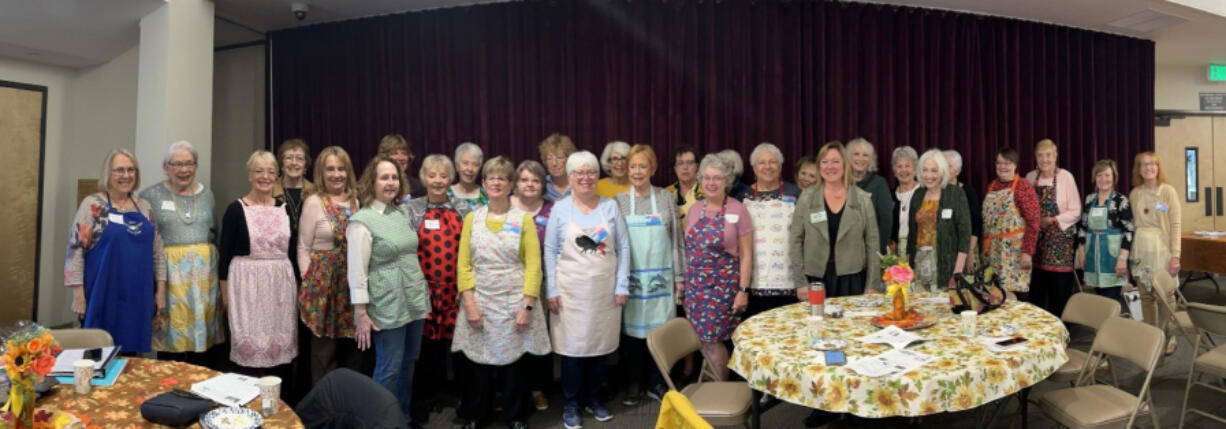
{"points": [[817, 299]]}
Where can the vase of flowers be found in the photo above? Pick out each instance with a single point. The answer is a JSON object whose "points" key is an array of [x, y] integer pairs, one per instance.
{"points": [[897, 277], [29, 355]]}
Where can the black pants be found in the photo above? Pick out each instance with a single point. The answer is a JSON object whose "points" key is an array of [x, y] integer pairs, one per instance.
{"points": [[640, 368], [1050, 290], [430, 380], [479, 391], [758, 303], [1116, 293], [538, 372]]}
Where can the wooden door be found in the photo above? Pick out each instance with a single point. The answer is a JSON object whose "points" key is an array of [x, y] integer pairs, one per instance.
{"points": [[22, 109], [1219, 173], [1171, 144]]}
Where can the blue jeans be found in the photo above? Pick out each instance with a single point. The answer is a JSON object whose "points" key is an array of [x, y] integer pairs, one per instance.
{"points": [[396, 352], [581, 379]]}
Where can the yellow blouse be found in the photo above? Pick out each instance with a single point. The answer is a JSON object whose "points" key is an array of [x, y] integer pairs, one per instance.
{"points": [[529, 252], [606, 188]]}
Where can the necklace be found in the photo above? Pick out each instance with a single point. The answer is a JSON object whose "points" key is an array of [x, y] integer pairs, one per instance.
{"points": [[189, 207]]}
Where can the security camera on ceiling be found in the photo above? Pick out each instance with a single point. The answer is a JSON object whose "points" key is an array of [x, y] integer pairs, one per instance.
{"points": [[300, 10]]}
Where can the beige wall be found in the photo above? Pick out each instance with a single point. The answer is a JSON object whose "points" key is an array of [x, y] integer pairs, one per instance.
{"points": [[1177, 87], [238, 119]]}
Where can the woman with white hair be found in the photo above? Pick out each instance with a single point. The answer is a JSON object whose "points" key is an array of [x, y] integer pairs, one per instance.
{"points": [[770, 202], [468, 159], [940, 223], [257, 280], [973, 201], [718, 262], [904, 164], [732, 159], [615, 162], [587, 270], [1060, 202], [863, 159], [183, 210], [116, 267]]}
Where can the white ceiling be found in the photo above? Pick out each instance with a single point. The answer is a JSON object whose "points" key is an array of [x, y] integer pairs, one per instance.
{"points": [[81, 33]]}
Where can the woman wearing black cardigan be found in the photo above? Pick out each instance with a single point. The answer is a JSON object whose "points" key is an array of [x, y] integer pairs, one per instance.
{"points": [[940, 225]]}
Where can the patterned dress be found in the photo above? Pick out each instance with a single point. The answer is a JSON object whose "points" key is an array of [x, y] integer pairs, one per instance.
{"points": [[438, 227], [1009, 221], [712, 277], [323, 300], [1056, 247]]}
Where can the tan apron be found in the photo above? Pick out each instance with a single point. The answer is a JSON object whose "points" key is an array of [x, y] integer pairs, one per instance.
{"points": [[589, 321]]}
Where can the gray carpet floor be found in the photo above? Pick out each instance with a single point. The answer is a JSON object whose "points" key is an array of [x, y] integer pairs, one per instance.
{"points": [[1168, 385]]}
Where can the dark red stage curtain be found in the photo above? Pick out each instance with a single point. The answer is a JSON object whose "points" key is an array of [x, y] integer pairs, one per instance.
{"points": [[716, 75]]}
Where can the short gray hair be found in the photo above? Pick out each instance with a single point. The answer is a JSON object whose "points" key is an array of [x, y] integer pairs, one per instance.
{"points": [[619, 147], [177, 146], [935, 155], [732, 159], [104, 179], [582, 159], [954, 158], [765, 148], [469, 148], [907, 153], [435, 161], [719, 163], [872, 152]]}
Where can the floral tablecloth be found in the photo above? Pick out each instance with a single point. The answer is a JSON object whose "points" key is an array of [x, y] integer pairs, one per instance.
{"points": [[772, 354], [118, 406]]}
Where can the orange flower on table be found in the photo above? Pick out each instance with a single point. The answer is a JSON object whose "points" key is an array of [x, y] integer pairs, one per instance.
{"points": [[35, 345], [928, 407], [169, 382], [886, 401], [43, 364], [965, 398], [836, 395]]}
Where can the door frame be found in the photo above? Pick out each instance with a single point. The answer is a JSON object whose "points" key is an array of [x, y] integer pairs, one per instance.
{"points": [[42, 171]]}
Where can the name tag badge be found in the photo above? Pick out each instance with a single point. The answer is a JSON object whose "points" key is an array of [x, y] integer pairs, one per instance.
{"points": [[1162, 207], [789, 199], [1098, 211], [512, 227], [433, 224], [733, 218], [654, 220], [818, 217], [114, 218], [168, 205], [599, 235], [947, 213], [541, 220]]}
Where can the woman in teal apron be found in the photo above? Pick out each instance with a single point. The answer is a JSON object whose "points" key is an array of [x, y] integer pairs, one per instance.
{"points": [[115, 258], [655, 237], [1105, 237]]}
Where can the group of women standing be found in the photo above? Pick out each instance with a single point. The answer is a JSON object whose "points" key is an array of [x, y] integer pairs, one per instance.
{"points": [[486, 262]]}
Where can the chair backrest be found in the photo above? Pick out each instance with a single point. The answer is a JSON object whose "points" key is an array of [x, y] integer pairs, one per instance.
{"points": [[1210, 318], [670, 342], [82, 338], [1090, 310], [1131, 340]]}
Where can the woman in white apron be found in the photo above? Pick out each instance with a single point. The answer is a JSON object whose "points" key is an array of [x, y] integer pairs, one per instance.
{"points": [[587, 267], [655, 238], [770, 202], [499, 278], [1156, 214]]}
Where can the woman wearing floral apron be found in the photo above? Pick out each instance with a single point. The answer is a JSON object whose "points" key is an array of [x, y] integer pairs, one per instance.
{"points": [[587, 262], [1060, 211], [1105, 237], [259, 285], [438, 220], [719, 263], [655, 240], [499, 281], [1010, 225]]}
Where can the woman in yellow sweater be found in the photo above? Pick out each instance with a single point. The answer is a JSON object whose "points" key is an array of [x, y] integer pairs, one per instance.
{"points": [[499, 278]]}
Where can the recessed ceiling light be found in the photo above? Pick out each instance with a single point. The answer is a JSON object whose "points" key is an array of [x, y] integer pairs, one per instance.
{"points": [[1146, 21]]}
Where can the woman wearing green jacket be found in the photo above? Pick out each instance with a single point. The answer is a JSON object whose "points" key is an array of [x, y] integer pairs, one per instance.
{"points": [[940, 225]]}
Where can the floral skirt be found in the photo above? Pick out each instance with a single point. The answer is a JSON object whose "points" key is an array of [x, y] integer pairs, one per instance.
{"points": [[323, 299], [193, 319]]}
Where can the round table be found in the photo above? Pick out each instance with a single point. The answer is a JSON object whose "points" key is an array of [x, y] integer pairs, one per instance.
{"points": [[773, 355], [118, 406]]}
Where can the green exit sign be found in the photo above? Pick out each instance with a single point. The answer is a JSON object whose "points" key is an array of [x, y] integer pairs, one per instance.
{"points": [[1217, 72]]}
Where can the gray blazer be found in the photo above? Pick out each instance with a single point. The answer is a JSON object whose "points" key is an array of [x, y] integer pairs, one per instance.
{"points": [[857, 242]]}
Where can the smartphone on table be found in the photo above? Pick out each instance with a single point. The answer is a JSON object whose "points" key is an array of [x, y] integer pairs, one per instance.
{"points": [[835, 358]]}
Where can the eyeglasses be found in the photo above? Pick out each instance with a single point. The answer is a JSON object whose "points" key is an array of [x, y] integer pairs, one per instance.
{"points": [[182, 165], [712, 178], [687, 163], [617, 159], [124, 170], [496, 179], [583, 173], [299, 158]]}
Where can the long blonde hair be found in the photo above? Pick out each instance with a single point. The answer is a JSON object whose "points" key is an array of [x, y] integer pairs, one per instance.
{"points": [[351, 183], [1137, 180]]}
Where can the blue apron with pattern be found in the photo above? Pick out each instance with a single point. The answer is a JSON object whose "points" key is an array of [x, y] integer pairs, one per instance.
{"points": [[1102, 248], [650, 303], [119, 281]]}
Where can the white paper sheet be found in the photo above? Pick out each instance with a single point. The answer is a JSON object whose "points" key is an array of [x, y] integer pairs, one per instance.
{"points": [[231, 390], [892, 335], [892, 362]]}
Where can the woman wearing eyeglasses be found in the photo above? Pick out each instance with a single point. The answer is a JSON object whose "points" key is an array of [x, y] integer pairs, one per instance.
{"points": [[183, 209], [615, 162], [113, 248]]}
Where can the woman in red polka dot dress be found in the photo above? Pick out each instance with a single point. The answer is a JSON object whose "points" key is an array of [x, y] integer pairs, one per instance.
{"points": [[438, 220]]}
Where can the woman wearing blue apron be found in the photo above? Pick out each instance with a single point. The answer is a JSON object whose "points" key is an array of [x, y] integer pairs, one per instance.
{"points": [[655, 238], [1105, 237], [115, 258]]}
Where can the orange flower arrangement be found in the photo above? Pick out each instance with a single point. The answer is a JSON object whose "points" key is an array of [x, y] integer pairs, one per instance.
{"points": [[29, 355]]}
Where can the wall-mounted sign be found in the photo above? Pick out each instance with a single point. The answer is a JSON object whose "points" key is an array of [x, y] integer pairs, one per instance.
{"points": [[1213, 101], [1217, 72]]}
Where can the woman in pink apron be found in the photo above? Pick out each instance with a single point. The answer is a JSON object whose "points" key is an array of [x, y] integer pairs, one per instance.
{"points": [[587, 264]]}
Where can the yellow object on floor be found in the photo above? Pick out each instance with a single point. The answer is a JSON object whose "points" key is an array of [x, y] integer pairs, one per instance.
{"points": [[676, 412]]}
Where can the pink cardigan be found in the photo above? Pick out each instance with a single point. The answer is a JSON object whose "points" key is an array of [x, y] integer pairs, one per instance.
{"points": [[1068, 200]]}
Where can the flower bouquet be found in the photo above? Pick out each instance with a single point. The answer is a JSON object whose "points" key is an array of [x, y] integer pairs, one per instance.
{"points": [[29, 355], [897, 275]]}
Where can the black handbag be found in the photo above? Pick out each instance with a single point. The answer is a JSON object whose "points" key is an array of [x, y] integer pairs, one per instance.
{"points": [[979, 291], [176, 408]]}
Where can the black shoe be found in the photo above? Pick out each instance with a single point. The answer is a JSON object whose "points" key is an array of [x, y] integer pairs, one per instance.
{"points": [[471, 424], [819, 418], [518, 424]]}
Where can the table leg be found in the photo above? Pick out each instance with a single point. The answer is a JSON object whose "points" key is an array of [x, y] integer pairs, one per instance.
{"points": [[755, 410], [1024, 399]]}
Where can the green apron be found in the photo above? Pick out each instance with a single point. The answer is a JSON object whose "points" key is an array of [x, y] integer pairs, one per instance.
{"points": [[650, 303]]}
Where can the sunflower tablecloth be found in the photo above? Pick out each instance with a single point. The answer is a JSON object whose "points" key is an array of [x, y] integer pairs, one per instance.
{"points": [[118, 406], [772, 354]]}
